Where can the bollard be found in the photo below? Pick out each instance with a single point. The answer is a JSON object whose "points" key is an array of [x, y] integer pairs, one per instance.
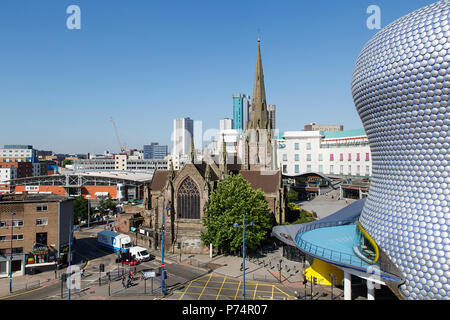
{"points": [[152, 287]]}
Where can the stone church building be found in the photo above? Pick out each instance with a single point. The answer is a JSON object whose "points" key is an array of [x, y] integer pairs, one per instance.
{"points": [[183, 194]]}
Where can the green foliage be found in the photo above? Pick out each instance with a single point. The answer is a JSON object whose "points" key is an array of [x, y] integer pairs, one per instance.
{"points": [[80, 208], [66, 162], [226, 205], [107, 203], [292, 195], [296, 215]]}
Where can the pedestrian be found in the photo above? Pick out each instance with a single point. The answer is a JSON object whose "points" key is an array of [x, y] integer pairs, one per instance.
{"points": [[123, 281]]}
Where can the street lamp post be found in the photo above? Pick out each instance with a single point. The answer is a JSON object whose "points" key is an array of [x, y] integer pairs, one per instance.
{"points": [[11, 252], [89, 214], [70, 244], [163, 287], [333, 282], [243, 251]]}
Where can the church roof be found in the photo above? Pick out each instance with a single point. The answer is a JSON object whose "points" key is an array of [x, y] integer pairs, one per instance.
{"points": [[159, 180], [268, 181], [201, 167]]}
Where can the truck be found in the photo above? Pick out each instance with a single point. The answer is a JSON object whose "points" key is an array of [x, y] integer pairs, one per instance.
{"points": [[114, 241], [139, 253]]}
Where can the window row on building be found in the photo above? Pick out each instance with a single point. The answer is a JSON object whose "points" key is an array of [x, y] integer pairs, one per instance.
{"points": [[331, 170], [339, 157], [19, 223], [303, 151]]}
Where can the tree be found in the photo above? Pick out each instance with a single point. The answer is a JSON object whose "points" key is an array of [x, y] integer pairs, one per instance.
{"points": [[297, 215], [80, 208], [66, 162], [292, 195], [107, 203], [226, 205]]}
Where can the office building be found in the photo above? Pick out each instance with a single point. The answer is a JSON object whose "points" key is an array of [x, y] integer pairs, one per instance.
{"points": [[18, 153], [241, 107], [40, 231], [341, 153], [226, 124], [6, 174], [183, 130], [155, 151], [271, 108], [120, 162]]}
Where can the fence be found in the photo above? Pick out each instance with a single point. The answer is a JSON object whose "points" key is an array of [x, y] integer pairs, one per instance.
{"points": [[17, 287], [265, 278], [139, 287], [334, 255], [197, 263]]}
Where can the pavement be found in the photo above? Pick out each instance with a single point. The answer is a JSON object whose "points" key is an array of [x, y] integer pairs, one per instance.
{"points": [[325, 204]]}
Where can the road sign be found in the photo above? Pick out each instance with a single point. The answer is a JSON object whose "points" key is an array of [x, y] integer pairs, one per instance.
{"points": [[150, 274]]}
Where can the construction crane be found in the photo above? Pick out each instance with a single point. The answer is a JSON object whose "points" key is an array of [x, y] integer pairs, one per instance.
{"points": [[122, 149]]}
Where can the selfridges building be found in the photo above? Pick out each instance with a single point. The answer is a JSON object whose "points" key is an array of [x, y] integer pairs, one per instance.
{"points": [[401, 89]]}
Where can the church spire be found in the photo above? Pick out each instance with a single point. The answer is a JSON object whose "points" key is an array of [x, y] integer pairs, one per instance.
{"points": [[192, 150], [259, 115]]}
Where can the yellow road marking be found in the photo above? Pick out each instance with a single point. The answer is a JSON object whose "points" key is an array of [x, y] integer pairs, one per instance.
{"points": [[288, 295], [222, 295], [228, 289], [237, 290], [224, 279], [19, 294], [256, 288], [205, 286], [186, 290]]}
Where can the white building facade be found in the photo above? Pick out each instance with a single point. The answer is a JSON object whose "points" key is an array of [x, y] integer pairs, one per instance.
{"points": [[340, 153], [183, 130], [7, 174], [17, 153]]}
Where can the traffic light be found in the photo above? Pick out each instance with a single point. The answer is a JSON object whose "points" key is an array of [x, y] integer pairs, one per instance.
{"points": [[314, 280], [102, 268], [162, 271]]}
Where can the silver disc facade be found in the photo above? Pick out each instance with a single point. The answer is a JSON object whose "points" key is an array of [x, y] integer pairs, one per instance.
{"points": [[401, 87]]}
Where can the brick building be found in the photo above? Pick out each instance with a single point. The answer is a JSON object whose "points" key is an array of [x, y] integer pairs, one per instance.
{"points": [[41, 228], [24, 169]]}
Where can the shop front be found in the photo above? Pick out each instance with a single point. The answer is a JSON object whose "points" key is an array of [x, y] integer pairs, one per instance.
{"points": [[41, 258]]}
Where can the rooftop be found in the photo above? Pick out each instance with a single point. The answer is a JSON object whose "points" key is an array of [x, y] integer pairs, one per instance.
{"points": [[129, 175], [343, 134], [31, 197]]}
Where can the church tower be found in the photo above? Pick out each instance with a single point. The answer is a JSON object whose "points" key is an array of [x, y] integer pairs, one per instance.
{"points": [[258, 136]]}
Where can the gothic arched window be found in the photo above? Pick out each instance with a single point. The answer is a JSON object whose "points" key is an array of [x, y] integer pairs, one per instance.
{"points": [[188, 200]]}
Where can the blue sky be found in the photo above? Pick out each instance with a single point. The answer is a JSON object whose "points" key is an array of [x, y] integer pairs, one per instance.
{"points": [[147, 62]]}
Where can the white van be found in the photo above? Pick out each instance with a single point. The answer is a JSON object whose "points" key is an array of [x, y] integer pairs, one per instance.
{"points": [[114, 241], [140, 254]]}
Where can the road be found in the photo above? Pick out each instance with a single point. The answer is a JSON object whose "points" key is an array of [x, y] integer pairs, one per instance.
{"points": [[87, 251]]}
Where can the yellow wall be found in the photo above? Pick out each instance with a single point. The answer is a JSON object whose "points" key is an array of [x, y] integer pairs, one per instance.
{"points": [[320, 269]]}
